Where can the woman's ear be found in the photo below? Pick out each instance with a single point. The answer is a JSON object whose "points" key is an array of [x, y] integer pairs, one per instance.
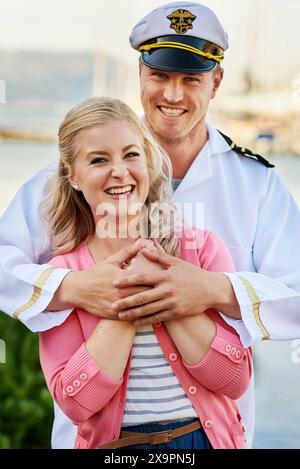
{"points": [[71, 178]]}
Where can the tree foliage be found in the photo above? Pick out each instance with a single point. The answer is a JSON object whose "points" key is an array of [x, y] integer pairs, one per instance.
{"points": [[26, 409]]}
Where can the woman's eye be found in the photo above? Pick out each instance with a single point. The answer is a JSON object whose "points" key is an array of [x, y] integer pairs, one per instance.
{"points": [[98, 160], [132, 154]]}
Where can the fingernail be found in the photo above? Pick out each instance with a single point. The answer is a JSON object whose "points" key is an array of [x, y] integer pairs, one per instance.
{"points": [[122, 316], [115, 306], [116, 283]]}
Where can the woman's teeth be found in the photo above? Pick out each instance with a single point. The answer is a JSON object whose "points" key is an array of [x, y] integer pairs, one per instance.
{"points": [[120, 190]]}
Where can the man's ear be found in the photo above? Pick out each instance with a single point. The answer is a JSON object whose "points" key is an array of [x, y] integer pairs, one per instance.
{"points": [[140, 67], [217, 79]]}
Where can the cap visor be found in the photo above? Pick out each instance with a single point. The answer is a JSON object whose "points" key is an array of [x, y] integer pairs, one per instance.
{"points": [[176, 60]]}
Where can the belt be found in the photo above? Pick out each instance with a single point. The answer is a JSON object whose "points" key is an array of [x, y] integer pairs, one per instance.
{"points": [[136, 438]]}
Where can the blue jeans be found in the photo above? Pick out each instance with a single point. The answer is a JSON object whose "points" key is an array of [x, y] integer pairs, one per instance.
{"points": [[193, 440]]}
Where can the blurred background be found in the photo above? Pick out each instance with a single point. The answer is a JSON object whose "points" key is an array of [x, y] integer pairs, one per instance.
{"points": [[56, 53]]}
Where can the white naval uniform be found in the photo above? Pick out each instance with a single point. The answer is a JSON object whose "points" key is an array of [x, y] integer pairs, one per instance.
{"points": [[244, 202]]}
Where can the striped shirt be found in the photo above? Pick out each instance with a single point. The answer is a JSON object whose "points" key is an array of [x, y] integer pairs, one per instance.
{"points": [[154, 393]]}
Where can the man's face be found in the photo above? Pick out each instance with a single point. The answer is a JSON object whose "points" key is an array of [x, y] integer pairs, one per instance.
{"points": [[175, 104]]}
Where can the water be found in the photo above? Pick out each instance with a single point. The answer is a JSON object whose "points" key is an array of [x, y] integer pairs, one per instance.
{"points": [[277, 378]]}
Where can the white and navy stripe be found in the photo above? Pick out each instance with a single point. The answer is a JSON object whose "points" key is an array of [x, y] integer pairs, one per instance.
{"points": [[154, 393]]}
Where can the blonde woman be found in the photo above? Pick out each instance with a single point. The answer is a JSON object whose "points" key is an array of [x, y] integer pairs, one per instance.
{"points": [[173, 385]]}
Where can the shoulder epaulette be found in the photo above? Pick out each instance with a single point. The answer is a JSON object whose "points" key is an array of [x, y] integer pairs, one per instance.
{"points": [[246, 152]]}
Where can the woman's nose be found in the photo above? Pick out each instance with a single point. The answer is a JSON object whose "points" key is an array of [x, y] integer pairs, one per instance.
{"points": [[119, 170]]}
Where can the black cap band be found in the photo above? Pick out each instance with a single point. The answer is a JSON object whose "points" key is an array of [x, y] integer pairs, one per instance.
{"points": [[181, 54]]}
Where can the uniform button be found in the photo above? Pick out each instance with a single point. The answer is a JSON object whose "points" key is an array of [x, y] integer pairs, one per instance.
{"points": [[233, 350], [76, 383], [208, 424], [192, 390], [83, 376], [228, 348], [173, 357], [238, 354], [69, 389]]}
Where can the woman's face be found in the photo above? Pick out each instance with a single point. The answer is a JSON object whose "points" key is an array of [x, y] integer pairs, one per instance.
{"points": [[110, 168]]}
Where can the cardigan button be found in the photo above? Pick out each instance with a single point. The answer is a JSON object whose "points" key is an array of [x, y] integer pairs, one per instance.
{"points": [[76, 383], [208, 424], [83, 376], [192, 390], [69, 389], [173, 357]]}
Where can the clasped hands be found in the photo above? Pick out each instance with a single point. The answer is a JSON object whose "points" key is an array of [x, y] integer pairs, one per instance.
{"points": [[168, 287], [143, 284]]}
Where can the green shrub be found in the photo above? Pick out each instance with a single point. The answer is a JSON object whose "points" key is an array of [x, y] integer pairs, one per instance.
{"points": [[26, 410]]}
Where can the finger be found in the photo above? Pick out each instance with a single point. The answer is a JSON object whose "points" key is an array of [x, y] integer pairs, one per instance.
{"points": [[149, 309], [153, 319], [124, 292], [157, 256], [140, 299], [158, 246], [149, 279], [125, 254]]}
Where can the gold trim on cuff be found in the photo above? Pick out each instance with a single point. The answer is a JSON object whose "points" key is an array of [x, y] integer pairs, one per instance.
{"points": [[37, 290], [256, 305]]}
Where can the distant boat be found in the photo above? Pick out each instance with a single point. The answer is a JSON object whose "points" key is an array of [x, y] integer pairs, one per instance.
{"points": [[264, 143]]}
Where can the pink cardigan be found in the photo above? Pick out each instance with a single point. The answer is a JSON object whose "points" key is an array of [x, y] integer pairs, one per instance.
{"points": [[95, 402]]}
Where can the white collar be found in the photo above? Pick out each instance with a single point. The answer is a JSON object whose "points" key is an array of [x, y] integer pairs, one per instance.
{"points": [[201, 168], [217, 143]]}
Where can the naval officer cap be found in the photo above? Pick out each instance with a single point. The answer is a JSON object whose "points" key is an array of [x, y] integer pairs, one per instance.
{"points": [[180, 37]]}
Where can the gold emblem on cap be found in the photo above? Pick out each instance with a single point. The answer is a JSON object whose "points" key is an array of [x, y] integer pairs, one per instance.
{"points": [[181, 20]]}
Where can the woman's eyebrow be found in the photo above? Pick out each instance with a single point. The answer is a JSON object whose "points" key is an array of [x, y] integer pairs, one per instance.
{"points": [[130, 146], [97, 152]]}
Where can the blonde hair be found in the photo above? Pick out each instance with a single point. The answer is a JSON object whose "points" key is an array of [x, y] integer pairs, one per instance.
{"points": [[66, 215]]}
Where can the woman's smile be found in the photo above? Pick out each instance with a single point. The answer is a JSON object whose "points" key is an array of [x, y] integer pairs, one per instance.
{"points": [[121, 192], [111, 166]]}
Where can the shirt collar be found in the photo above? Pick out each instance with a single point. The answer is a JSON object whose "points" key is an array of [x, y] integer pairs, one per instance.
{"points": [[201, 168], [217, 143]]}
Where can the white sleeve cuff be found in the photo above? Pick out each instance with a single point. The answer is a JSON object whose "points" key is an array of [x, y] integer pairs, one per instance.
{"points": [[34, 315], [249, 328]]}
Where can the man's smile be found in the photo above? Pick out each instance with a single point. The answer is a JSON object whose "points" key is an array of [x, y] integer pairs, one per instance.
{"points": [[171, 112]]}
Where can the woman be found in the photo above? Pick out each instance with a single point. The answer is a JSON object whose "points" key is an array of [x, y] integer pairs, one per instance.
{"points": [[173, 386]]}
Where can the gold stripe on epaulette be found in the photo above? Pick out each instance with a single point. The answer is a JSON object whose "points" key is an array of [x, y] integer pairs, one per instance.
{"points": [[256, 306], [37, 289]]}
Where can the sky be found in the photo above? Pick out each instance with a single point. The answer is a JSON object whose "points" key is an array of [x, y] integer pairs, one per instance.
{"points": [[85, 24], [263, 32], [81, 24]]}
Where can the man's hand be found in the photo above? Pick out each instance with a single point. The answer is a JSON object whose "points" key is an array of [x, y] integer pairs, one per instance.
{"points": [[92, 290], [178, 291]]}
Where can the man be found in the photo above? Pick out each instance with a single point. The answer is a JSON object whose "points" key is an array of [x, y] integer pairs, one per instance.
{"points": [[182, 45]]}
